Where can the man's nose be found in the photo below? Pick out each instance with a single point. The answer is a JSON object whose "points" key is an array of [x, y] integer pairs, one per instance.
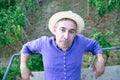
{"points": [[66, 35]]}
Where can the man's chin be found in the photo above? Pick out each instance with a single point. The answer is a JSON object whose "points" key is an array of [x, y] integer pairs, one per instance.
{"points": [[65, 47]]}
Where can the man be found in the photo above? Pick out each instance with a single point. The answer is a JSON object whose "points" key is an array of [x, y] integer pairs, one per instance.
{"points": [[62, 54]]}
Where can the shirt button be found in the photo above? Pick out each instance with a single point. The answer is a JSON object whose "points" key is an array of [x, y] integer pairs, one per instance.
{"points": [[65, 77], [64, 69], [64, 73]]}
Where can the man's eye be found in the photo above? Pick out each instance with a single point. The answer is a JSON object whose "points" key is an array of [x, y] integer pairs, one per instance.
{"points": [[72, 31], [63, 30]]}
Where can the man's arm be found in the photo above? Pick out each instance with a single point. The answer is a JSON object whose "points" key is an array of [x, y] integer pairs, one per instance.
{"points": [[94, 47], [99, 65], [25, 72]]}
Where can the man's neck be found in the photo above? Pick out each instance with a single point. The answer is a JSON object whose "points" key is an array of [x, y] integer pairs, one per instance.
{"points": [[64, 50]]}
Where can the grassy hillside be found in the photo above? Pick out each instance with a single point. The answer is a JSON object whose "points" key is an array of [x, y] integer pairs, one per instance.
{"points": [[39, 15], [108, 25], [106, 32]]}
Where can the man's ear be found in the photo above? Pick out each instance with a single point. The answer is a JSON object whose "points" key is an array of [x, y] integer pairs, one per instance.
{"points": [[54, 29]]}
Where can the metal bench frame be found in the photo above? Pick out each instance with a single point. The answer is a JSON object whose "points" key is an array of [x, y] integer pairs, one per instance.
{"points": [[18, 54]]}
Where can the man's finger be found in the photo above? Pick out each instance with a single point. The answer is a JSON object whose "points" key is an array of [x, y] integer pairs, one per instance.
{"points": [[31, 74], [97, 74], [94, 69]]}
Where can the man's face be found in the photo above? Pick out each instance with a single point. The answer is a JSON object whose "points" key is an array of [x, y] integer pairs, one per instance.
{"points": [[65, 31]]}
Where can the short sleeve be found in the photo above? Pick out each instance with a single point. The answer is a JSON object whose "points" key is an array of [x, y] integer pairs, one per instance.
{"points": [[93, 46], [33, 46]]}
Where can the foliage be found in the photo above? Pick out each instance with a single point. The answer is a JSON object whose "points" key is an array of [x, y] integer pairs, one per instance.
{"points": [[104, 6], [34, 64], [4, 4], [103, 40], [11, 21], [14, 70], [2, 70], [30, 5]]}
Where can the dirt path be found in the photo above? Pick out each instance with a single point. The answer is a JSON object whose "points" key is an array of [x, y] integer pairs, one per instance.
{"points": [[4, 61]]}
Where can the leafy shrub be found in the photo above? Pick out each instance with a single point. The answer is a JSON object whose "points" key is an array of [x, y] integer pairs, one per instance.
{"points": [[104, 6], [6, 3], [102, 39], [14, 70], [11, 21], [34, 64], [30, 5], [2, 70]]}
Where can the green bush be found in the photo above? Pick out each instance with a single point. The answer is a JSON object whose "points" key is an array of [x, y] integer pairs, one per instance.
{"points": [[102, 39], [6, 3], [2, 71], [104, 6], [34, 64], [11, 21]]}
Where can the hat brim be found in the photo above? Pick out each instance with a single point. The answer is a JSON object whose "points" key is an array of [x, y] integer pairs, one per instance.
{"points": [[66, 14]]}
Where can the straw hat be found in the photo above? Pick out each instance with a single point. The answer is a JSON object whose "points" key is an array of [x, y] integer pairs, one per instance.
{"points": [[66, 14]]}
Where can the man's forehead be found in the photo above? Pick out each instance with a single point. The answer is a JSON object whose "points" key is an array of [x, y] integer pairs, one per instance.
{"points": [[67, 19], [66, 25], [67, 28], [64, 21]]}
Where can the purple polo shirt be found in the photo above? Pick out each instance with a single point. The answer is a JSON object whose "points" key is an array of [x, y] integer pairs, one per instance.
{"points": [[59, 65]]}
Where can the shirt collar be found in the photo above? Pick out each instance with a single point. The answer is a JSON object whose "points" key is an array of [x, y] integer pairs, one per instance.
{"points": [[60, 48]]}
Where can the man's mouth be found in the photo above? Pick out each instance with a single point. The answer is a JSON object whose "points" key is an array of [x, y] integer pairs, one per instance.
{"points": [[64, 41]]}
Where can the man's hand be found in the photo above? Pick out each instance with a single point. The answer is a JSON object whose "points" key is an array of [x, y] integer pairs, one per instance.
{"points": [[25, 73], [99, 66]]}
